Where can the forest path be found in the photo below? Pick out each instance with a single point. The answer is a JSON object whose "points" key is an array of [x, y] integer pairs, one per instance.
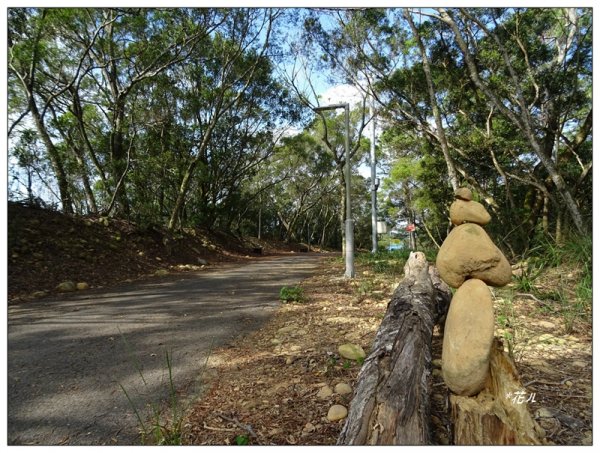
{"points": [[68, 357]]}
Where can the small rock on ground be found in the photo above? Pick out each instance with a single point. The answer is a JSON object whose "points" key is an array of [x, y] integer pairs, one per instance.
{"points": [[342, 389], [337, 412], [351, 351], [325, 392], [66, 287]]}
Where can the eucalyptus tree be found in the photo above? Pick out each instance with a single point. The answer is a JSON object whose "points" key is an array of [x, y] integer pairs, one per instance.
{"points": [[534, 68], [534, 62], [134, 47], [30, 52], [85, 68], [302, 197], [219, 80]]}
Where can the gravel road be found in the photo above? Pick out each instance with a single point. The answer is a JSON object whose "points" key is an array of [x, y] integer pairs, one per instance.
{"points": [[70, 358]]}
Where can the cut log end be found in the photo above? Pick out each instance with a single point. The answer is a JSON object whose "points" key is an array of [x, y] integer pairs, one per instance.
{"points": [[495, 416]]}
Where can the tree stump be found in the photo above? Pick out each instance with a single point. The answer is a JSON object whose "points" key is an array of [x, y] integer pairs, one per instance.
{"points": [[498, 415], [391, 400]]}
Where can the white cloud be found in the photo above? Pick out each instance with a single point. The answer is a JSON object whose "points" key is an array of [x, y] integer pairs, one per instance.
{"points": [[340, 94]]}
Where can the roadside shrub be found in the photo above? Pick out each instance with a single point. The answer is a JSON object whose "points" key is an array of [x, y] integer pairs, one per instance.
{"points": [[291, 294]]}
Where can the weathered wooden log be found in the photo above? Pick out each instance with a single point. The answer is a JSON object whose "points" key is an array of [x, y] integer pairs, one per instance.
{"points": [[498, 415], [391, 399]]}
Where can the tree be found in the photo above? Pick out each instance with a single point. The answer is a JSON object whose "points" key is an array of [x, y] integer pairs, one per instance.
{"points": [[417, 72], [28, 53], [528, 103]]}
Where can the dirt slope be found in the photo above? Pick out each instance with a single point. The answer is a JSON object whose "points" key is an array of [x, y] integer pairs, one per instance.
{"points": [[46, 248]]}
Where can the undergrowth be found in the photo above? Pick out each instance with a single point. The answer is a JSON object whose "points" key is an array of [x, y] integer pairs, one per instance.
{"points": [[163, 426], [572, 302]]}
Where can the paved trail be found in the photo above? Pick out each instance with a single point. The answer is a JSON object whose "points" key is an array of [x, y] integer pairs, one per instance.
{"points": [[69, 357]]}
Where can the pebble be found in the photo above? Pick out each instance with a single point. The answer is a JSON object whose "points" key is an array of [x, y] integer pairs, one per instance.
{"points": [[546, 324], [463, 193], [325, 392], [351, 351], [66, 287], [342, 389], [336, 412], [309, 428], [82, 286], [544, 412]]}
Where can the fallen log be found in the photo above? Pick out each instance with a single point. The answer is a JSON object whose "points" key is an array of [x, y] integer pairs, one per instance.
{"points": [[391, 399]]}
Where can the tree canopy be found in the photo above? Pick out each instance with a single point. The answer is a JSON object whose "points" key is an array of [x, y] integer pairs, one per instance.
{"points": [[186, 117]]}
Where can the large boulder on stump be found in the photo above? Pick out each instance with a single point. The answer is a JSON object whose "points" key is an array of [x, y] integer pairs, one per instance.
{"points": [[468, 252], [468, 337]]}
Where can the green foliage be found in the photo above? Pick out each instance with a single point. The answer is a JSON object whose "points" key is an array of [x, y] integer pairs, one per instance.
{"points": [[575, 255], [525, 282], [160, 430], [506, 320], [384, 261], [200, 102], [291, 294], [576, 252], [242, 440], [365, 287]]}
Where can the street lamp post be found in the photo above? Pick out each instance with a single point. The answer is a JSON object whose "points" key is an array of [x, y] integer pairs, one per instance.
{"points": [[374, 181], [349, 224]]}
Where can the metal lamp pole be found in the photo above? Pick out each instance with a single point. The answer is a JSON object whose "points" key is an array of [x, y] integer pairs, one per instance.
{"points": [[374, 181], [349, 223]]}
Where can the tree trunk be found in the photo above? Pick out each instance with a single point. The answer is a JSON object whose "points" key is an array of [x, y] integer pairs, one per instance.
{"points": [[440, 133], [55, 158], [498, 415], [118, 156], [391, 401], [85, 180]]}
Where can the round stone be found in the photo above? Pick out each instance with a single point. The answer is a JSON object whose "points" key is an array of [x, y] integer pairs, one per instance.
{"points": [[325, 392], [351, 351], [342, 389], [463, 193], [468, 338], [66, 287], [469, 212], [468, 252], [336, 412]]}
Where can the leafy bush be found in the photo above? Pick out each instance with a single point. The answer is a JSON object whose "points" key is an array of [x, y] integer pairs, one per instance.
{"points": [[291, 294]]}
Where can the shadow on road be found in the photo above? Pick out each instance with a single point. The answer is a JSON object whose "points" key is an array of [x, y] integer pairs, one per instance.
{"points": [[69, 357]]}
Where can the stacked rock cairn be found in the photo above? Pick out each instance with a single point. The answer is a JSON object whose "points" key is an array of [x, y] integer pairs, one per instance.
{"points": [[469, 261]]}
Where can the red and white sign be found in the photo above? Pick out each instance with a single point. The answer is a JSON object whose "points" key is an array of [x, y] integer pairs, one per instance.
{"points": [[410, 227]]}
